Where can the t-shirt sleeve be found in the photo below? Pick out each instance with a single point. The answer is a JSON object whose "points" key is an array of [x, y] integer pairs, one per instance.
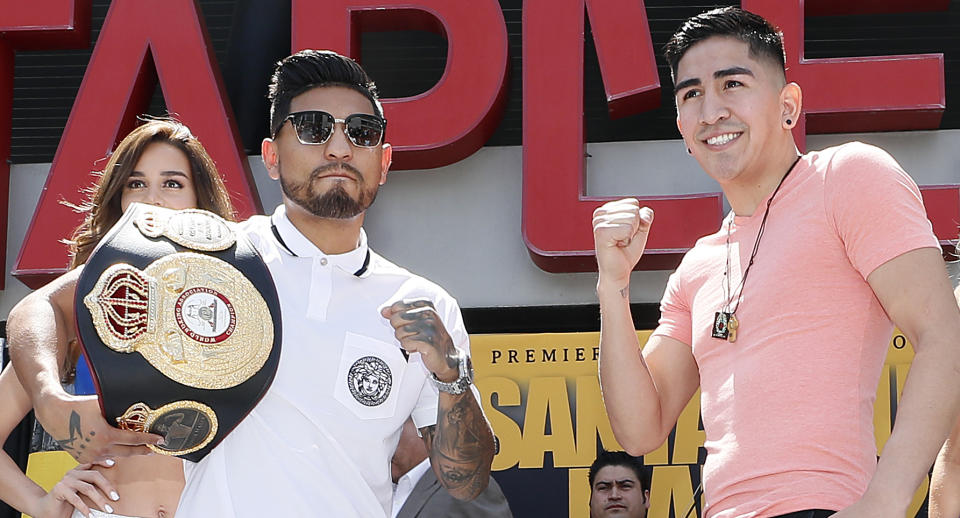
{"points": [[675, 318], [875, 207]]}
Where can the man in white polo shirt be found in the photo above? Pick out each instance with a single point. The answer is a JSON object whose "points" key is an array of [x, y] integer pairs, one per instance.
{"points": [[366, 344]]}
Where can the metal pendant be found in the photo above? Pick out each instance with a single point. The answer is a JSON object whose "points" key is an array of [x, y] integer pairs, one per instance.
{"points": [[721, 327], [732, 325]]}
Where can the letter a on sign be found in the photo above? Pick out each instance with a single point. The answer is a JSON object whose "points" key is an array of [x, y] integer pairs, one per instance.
{"points": [[140, 40]]}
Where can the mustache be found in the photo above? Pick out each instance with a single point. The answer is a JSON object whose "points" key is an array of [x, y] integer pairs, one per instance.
{"points": [[318, 172]]}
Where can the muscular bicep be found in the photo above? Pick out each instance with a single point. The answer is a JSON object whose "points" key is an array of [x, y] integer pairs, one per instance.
{"points": [[48, 307], [915, 292], [62, 293], [675, 375], [38, 330]]}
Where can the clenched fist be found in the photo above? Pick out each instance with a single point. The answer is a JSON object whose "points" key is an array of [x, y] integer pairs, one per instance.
{"points": [[620, 230], [419, 329]]}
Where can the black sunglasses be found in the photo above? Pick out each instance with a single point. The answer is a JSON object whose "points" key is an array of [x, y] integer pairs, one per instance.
{"points": [[315, 127]]}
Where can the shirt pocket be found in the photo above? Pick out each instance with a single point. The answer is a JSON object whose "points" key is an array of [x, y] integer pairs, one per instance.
{"points": [[369, 375]]}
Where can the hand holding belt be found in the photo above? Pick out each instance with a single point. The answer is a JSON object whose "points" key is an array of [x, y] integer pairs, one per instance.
{"points": [[182, 344]]}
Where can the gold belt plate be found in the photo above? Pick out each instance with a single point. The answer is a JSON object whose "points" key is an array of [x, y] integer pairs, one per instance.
{"points": [[194, 317], [186, 426], [192, 228]]}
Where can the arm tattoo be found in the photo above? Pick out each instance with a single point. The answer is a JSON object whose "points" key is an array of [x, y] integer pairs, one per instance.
{"points": [[76, 443], [461, 446]]}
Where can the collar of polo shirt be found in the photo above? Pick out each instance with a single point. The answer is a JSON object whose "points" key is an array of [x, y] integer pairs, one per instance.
{"points": [[298, 245]]}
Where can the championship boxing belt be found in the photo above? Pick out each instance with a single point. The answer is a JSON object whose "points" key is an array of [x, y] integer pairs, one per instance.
{"points": [[180, 322]]}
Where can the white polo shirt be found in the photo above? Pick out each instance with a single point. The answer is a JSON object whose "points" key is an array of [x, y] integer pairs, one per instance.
{"points": [[320, 441]]}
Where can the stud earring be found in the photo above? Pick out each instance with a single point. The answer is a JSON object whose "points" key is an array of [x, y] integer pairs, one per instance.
{"points": [[789, 122], [689, 151]]}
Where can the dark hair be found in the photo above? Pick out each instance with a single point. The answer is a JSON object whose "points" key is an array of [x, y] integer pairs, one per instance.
{"points": [[620, 458], [764, 40], [103, 208], [309, 69]]}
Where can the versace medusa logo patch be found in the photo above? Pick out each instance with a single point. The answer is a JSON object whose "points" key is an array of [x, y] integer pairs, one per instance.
{"points": [[370, 380]]}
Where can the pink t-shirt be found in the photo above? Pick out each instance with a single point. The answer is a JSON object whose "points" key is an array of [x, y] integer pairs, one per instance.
{"points": [[788, 407]]}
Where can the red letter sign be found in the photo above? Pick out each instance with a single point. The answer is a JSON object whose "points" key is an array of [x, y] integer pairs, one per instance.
{"points": [[454, 118], [44, 24], [836, 101], [556, 212], [136, 35]]}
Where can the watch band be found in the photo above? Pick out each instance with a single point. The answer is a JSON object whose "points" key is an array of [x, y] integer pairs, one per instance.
{"points": [[462, 383]]}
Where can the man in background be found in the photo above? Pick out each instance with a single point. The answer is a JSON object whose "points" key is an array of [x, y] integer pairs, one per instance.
{"points": [[619, 486]]}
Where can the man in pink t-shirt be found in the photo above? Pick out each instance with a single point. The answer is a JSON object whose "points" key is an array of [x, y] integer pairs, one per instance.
{"points": [[782, 317]]}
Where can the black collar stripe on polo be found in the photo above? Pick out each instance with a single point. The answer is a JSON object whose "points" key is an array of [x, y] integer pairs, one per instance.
{"points": [[276, 234]]}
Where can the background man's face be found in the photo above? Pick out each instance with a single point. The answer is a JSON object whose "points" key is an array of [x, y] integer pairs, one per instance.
{"points": [[617, 493]]}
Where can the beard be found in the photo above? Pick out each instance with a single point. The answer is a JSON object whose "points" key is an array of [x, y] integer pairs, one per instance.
{"points": [[335, 203]]}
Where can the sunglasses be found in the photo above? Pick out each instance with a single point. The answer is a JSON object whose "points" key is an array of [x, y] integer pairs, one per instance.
{"points": [[315, 127]]}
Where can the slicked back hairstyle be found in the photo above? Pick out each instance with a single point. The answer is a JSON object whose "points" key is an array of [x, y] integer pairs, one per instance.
{"points": [[764, 40], [619, 458], [309, 69]]}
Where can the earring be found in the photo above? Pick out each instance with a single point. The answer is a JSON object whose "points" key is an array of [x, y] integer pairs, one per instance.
{"points": [[689, 151], [789, 122]]}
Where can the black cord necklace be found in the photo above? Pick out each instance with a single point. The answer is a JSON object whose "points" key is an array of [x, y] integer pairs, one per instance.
{"points": [[725, 323]]}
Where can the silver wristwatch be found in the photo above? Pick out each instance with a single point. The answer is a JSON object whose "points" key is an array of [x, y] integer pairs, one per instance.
{"points": [[461, 384]]}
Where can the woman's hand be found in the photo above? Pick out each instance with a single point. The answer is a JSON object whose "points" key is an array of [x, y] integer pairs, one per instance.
{"points": [[81, 480]]}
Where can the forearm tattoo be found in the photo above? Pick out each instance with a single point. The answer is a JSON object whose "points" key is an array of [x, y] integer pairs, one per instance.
{"points": [[77, 442], [461, 446]]}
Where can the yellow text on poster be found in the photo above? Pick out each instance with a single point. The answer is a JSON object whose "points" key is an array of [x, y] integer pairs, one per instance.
{"points": [[542, 396]]}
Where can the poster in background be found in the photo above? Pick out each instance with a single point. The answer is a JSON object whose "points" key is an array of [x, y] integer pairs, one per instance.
{"points": [[542, 396]]}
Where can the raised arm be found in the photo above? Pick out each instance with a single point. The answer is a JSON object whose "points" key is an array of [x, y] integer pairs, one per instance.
{"points": [[461, 443], [915, 292], [643, 393], [39, 330]]}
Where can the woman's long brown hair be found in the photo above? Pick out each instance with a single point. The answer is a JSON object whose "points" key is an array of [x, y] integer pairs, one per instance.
{"points": [[102, 210]]}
